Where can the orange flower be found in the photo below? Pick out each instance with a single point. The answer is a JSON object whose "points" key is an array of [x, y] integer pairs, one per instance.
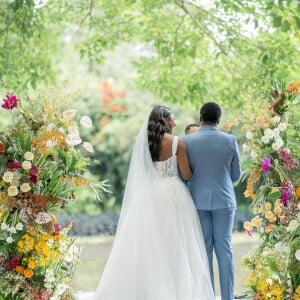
{"points": [[269, 228], [80, 181], [20, 270], [293, 87], [28, 273], [297, 191]]}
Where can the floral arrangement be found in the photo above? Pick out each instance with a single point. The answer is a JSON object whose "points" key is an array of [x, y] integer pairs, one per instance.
{"points": [[273, 185], [42, 158]]}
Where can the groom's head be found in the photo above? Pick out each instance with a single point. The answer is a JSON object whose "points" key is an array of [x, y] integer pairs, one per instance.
{"points": [[210, 113]]}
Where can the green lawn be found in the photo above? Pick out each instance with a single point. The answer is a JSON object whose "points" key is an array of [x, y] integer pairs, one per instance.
{"points": [[95, 251]]}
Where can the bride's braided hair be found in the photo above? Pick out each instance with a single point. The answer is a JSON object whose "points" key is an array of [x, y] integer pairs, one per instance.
{"points": [[157, 126]]}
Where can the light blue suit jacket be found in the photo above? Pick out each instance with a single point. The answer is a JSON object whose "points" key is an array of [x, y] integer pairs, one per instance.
{"points": [[215, 162]]}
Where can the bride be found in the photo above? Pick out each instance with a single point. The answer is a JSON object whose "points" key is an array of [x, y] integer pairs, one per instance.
{"points": [[158, 251]]}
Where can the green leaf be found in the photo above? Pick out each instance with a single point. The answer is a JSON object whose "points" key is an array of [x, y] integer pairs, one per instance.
{"points": [[297, 19], [277, 21], [285, 26]]}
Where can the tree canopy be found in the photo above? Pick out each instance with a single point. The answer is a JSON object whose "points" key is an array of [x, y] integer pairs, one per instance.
{"points": [[188, 51]]}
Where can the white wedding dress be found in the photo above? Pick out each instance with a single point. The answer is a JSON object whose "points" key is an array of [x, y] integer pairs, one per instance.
{"points": [[158, 251]]}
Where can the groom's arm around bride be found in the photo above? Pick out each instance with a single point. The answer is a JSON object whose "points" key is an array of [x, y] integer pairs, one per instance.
{"points": [[215, 163]]}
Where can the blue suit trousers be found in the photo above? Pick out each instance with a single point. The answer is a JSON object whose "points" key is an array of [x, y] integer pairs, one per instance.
{"points": [[217, 232]]}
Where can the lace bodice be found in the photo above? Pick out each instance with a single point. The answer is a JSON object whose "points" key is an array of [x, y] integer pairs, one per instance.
{"points": [[168, 168]]}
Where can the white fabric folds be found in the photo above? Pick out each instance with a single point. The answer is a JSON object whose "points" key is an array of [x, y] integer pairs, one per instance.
{"points": [[158, 251]]}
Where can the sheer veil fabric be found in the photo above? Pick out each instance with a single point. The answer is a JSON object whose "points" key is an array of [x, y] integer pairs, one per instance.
{"points": [[158, 251]]}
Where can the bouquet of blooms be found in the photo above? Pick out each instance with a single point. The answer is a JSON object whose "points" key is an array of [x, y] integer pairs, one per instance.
{"points": [[42, 158], [273, 184]]}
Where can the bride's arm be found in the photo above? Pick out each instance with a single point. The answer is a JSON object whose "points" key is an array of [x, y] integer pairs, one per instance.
{"points": [[183, 161]]}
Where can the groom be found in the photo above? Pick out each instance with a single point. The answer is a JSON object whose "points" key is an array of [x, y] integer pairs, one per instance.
{"points": [[215, 163]]}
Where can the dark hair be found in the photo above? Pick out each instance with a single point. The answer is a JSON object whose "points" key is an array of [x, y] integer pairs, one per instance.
{"points": [[157, 126], [210, 112], [188, 127]]}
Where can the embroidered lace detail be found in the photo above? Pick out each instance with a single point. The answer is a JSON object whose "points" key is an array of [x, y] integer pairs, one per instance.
{"points": [[167, 168]]}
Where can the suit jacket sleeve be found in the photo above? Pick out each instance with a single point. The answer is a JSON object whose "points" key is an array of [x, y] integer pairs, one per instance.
{"points": [[236, 163]]}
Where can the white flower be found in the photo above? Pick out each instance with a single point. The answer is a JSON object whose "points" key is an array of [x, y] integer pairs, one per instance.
{"points": [[276, 119], [277, 145], [292, 226], [249, 135], [88, 147], [60, 129], [51, 127], [281, 126], [12, 230], [86, 121], [50, 143], [15, 182], [12, 191], [245, 147], [73, 129], [28, 156], [26, 165], [4, 226], [276, 132], [269, 281], [19, 226], [50, 275], [265, 139], [253, 154], [9, 240], [43, 218], [25, 187], [8, 176], [297, 254], [269, 133], [73, 139], [69, 114]]}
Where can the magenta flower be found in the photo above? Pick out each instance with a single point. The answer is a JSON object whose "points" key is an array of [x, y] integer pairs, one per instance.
{"points": [[10, 102], [33, 171], [14, 165], [285, 197], [266, 164], [13, 262], [248, 232], [57, 229], [33, 179]]}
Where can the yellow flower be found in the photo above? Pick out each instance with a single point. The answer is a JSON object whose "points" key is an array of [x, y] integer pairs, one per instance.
{"points": [[31, 264], [268, 206], [247, 225], [269, 215], [256, 222], [28, 273], [277, 210]]}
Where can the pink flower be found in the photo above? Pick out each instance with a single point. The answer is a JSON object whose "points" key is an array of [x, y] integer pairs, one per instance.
{"points": [[10, 102], [266, 164], [14, 165], [249, 232], [57, 229], [289, 162]]}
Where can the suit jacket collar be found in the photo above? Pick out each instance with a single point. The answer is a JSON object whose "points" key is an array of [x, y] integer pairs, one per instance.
{"points": [[208, 127]]}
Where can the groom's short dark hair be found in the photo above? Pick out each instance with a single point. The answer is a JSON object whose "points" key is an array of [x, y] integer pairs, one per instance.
{"points": [[210, 112]]}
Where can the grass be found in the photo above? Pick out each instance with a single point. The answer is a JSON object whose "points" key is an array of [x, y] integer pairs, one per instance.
{"points": [[95, 251]]}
